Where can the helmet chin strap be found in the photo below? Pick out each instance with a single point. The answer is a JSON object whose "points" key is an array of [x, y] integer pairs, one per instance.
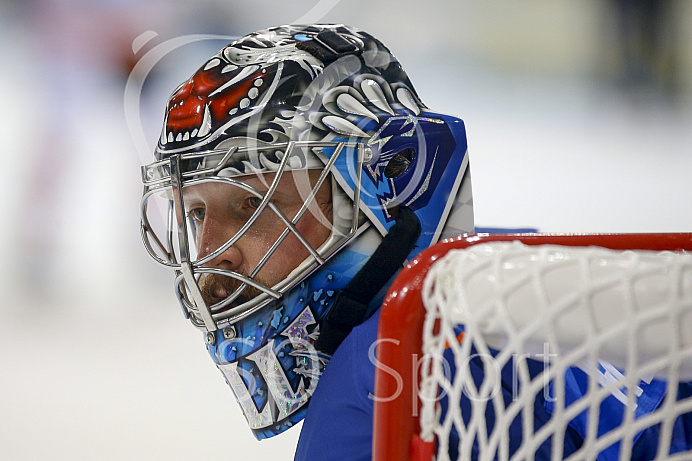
{"points": [[350, 305]]}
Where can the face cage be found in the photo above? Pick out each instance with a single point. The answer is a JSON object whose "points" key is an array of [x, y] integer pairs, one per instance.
{"points": [[167, 176]]}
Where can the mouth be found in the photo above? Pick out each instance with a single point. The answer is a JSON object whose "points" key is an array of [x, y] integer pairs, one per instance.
{"points": [[220, 294], [217, 288]]}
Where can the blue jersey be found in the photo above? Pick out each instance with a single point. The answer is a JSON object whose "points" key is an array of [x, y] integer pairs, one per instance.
{"points": [[338, 424]]}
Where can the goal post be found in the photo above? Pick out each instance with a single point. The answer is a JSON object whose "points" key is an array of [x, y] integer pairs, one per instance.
{"points": [[616, 306]]}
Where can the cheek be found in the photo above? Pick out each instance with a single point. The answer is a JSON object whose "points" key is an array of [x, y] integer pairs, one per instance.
{"points": [[287, 257], [290, 253], [255, 245], [313, 231], [258, 241]]}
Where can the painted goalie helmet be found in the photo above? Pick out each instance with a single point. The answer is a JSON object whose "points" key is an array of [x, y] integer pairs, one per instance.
{"points": [[283, 163]]}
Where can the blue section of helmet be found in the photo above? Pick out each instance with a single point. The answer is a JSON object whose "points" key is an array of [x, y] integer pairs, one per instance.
{"points": [[443, 182], [429, 183], [281, 425], [269, 327], [316, 292], [255, 383]]}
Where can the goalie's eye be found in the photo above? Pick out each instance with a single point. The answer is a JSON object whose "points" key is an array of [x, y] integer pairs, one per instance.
{"points": [[197, 214], [253, 202]]}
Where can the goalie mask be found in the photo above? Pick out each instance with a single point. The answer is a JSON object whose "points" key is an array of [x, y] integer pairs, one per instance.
{"points": [[282, 164]]}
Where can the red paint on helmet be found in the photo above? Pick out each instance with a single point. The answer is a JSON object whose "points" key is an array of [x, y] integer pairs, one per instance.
{"points": [[186, 107]]}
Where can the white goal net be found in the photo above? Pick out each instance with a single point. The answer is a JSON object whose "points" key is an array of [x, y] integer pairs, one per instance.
{"points": [[555, 352]]}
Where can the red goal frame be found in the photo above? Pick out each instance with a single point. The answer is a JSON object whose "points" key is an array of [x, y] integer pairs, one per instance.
{"points": [[401, 324]]}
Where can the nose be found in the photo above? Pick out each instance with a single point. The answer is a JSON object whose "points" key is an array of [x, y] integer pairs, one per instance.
{"points": [[214, 235]]}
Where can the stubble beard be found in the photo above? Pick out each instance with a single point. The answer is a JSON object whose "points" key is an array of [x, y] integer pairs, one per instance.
{"points": [[215, 288]]}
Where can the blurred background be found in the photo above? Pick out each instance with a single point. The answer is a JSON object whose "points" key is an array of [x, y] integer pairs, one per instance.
{"points": [[579, 119]]}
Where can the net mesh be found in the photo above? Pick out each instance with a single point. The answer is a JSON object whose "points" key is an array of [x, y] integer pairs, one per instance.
{"points": [[551, 352]]}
